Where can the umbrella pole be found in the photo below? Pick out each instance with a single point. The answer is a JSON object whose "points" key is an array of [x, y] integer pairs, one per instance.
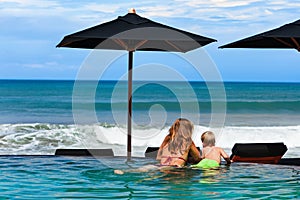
{"points": [[129, 117]]}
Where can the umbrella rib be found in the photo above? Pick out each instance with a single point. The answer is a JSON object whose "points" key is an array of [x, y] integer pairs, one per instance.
{"points": [[141, 43], [174, 46], [296, 43], [283, 42], [66, 44], [121, 43]]}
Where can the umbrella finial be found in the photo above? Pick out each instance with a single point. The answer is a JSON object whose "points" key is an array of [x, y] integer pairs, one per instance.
{"points": [[131, 10]]}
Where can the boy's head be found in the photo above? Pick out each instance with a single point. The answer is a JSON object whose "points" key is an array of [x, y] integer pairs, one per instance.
{"points": [[208, 139]]}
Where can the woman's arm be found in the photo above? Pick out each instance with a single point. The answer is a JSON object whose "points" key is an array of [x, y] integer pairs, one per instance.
{"points": [[194, 154]]}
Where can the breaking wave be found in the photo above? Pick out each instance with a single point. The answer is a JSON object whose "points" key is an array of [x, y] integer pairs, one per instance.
{"points": [[44, 139]]}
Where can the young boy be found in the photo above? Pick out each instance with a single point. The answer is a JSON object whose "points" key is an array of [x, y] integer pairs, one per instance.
{"points": [[211, 155]]}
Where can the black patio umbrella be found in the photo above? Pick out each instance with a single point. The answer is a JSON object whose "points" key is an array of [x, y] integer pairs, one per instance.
{"points": [[134, 33], [285, 37]]}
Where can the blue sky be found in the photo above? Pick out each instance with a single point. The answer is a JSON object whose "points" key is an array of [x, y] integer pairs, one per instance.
{"points": [[30, 30]]}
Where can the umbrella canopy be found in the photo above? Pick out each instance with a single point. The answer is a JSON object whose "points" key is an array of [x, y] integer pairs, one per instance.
{"points": [[285, 37], [134, 33], [118, 35]]}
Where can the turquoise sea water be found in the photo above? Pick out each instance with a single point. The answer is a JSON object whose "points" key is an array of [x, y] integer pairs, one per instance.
{"points": [[37, 117], [29, 101]]}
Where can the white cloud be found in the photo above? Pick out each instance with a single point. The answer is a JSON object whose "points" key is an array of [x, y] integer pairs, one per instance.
{"points": [[217, 3], [188, 14], [47, 65], [30, 8], [30, 3], [106, 8], [95, 12]]}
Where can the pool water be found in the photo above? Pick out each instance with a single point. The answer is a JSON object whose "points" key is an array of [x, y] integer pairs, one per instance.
{"points": [[59, 177]]}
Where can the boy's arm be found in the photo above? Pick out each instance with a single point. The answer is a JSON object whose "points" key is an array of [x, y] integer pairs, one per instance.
{"points": [[225, 156]]}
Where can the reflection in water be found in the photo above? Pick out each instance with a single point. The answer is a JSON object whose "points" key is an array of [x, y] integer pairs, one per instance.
{"points": [[211, 175]]}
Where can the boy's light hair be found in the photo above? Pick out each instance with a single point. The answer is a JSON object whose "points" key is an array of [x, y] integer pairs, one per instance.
{"points": [[208, 138]]}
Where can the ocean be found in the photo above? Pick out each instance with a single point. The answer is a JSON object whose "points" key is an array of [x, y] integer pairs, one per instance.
{"points": [[38, 116]]}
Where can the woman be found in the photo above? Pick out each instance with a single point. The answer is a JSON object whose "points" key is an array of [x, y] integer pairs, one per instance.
{"points": [[178, 145], [175, 149]]}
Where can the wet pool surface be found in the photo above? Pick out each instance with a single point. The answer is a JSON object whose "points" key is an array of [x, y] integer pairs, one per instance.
{"points": [[59, 177]]}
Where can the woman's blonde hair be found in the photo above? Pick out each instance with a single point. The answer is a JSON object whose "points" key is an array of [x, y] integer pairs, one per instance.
{"points": [[208, 138], [180, 135]]}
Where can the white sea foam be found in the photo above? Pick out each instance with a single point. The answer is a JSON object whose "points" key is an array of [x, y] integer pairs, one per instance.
{"points": [[46, 138]]}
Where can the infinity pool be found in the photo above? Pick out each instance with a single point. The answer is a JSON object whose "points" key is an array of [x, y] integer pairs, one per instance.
{"points": [[58, 177]]}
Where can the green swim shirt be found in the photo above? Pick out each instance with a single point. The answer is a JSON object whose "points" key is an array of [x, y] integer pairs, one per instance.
{"points": [[206, 163]]}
